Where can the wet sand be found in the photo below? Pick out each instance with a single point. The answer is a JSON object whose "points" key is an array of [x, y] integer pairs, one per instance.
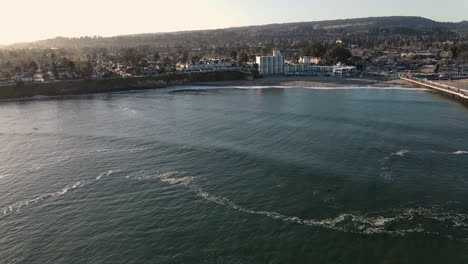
{"points": [[312, 81]]}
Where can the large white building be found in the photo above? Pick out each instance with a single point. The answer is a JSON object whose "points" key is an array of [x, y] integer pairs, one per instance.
{"points": [[310, 69], [268, 65]]}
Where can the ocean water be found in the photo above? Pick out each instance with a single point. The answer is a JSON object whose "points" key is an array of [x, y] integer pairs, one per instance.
{"points": [[227, 175]]}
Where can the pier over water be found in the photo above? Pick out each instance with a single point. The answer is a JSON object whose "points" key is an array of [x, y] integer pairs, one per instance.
{"points": [[450, 91]]}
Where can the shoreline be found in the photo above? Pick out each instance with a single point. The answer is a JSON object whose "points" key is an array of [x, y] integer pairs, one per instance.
{"points": [[71, 88], [312, 82]]}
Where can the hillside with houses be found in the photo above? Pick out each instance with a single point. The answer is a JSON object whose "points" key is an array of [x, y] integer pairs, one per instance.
{"points": [[385, 46]]}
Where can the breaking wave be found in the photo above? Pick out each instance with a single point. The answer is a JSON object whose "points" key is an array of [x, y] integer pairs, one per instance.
{"points": [[395, 222]]}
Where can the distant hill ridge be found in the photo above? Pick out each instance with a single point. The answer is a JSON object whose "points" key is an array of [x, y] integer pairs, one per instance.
{"points": [[296, 30]]}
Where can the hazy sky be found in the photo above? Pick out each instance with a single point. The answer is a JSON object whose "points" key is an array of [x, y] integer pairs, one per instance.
{"points": [[27, 20]]}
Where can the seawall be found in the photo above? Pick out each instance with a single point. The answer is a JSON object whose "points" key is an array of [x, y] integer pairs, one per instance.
{"points": [[114, 85]]}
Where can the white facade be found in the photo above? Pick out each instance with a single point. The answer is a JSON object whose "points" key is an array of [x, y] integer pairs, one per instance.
{"points": [[268, 65], [308, 69], [343, 70], [311, 60], [209, 65]]}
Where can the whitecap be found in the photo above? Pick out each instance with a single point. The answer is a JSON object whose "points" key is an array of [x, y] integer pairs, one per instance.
{"points": [[401, 153]]}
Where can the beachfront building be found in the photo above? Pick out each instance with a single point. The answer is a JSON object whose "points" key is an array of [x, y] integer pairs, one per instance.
{"points": [[343, 70], [312, 60], [314, 70], [271, 65], [209, 65], [307, 69]]}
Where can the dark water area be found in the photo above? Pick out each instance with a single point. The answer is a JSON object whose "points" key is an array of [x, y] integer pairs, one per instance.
{"points": [[235, 176]]}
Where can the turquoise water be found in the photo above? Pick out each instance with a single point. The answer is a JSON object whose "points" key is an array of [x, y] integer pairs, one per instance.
{"points": [[235, 176]]}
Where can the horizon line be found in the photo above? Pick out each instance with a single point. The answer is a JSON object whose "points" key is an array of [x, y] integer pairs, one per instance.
{"points": [[3, 45]]}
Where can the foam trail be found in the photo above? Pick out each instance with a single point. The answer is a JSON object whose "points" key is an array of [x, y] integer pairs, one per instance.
{"points": [[105, 174], [79, 184], [415, 220]]}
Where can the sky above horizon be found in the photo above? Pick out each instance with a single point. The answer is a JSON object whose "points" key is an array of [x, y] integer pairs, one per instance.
{"points": [[30, 20]]}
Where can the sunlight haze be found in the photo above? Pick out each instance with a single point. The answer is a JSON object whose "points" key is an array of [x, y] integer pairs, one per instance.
{"points": [[29, 20]]}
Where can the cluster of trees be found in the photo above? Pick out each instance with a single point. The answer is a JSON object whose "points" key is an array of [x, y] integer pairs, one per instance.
{"points": [[47, 62], [333, 53]]}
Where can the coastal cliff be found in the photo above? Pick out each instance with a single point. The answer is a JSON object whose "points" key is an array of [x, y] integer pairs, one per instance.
{"points": [[114, 85]]}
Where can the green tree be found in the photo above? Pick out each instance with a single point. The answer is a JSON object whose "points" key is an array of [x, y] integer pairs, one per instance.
{"points": [[194, 57], [338, 53], [185, 56], [55, 71], [67, 63], [131, 56], [86, 69], [314, 50], [454, 50], [156, 56], [31, 67], [243, 58], [234, 55], [167, 61]]}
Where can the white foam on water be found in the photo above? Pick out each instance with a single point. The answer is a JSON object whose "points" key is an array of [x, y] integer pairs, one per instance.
{"points": [[124, 108], [401, 153], [76, 185], [166, 177], [370, 223], [122, 150], [105, 174]]}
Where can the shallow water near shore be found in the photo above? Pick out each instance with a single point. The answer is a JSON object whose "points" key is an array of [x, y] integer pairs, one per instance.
{"points": [[208, 175]]}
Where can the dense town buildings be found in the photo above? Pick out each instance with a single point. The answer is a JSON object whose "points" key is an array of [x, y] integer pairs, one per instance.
{"points": [[431, 63]]}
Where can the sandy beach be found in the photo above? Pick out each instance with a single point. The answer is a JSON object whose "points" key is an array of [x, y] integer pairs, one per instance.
{"points": [[312, 81]]}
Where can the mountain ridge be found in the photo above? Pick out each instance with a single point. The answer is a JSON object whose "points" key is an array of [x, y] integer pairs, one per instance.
{"points": [[252, 33]]}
